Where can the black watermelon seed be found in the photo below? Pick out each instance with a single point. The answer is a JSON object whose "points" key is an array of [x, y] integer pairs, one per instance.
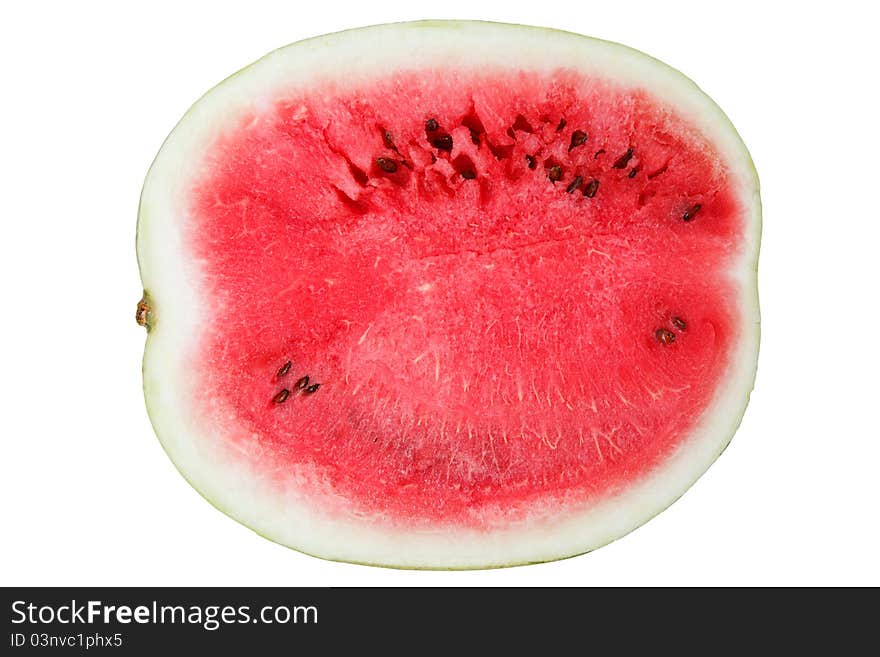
{"points": [[554, 173], [386, 164], [624, 159], [281, 397], [691, 213], [302, 382], [578, 137], [431, 125], [574, 184], [632, 173], [443, 143], [530, 161], [467, 174], [664, 336], [591, 188], [679, 323], [284, 369], [561, 125], [312, 388]]}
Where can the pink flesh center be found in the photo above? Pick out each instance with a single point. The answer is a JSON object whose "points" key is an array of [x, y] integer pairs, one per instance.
{"points": [[510, 289]]}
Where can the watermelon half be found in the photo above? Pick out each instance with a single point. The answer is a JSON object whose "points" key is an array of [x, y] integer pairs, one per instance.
{"points": [[449, 294]]}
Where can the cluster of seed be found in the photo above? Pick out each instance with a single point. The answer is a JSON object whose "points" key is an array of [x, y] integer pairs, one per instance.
{"points": [[665, 336], [555, 172], [302, 385], [442, 141], [579, 138]]}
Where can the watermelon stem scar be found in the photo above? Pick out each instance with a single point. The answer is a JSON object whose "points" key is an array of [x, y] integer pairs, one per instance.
{"points": [[448, 314], [143, 314]]}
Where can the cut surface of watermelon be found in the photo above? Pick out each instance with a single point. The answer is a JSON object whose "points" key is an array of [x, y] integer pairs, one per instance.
{"points": [[485, 295]]}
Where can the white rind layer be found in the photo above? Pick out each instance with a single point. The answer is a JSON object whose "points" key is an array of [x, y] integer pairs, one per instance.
{"points": [[172, 279]]}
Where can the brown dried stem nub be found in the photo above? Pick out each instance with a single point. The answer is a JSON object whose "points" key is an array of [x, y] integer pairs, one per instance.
{"points": [[143, 314]]}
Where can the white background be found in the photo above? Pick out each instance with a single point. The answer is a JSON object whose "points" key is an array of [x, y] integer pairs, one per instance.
{"points": [[88, 92]]}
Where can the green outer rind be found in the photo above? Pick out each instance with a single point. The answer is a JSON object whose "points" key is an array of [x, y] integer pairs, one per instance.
{"points": [[149, 396]]}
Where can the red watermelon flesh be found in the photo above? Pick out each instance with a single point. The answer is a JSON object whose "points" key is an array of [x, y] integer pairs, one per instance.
{"points": [[480, 333], [461, 298]]}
